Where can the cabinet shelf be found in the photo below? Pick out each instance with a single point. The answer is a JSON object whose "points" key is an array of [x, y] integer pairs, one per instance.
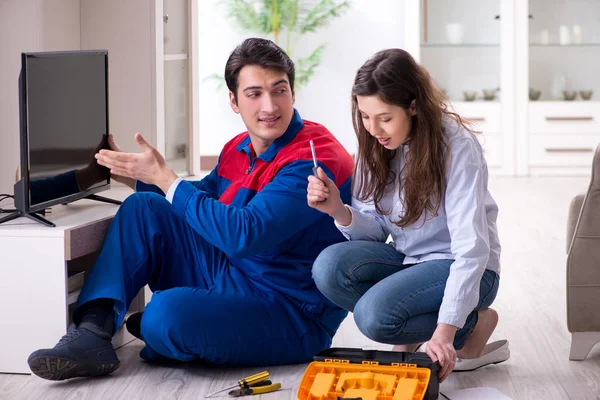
{"points": [[558, 45], [462, 45], [547, 101]]}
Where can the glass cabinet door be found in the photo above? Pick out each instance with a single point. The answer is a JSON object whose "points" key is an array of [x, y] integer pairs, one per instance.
{"points": [[564, 45], [463, 45], [460, 46], [176, 26], [177, 84], [562, 124]]}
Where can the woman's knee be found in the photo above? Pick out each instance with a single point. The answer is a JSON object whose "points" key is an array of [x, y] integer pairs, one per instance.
{"points": [[375, 325], [327, 270]]}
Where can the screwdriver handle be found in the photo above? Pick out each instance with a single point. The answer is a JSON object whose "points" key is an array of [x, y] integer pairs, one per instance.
{"points": [[266, 389], [254, 379]]}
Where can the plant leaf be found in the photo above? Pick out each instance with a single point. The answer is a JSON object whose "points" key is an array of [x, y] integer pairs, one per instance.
{"points": [[246, 14], [306, 67], [321, 15], [294, 18], [217, 78]]}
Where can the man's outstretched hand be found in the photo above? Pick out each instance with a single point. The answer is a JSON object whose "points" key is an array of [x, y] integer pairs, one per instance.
{"points": [[149, 166]]}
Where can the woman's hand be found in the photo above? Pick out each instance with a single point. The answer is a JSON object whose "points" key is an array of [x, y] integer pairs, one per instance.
{"points": [[440, 348], [324, 195]]}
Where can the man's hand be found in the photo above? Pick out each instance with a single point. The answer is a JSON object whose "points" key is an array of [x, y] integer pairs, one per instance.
{"points": [[440, 348], [148, 166], [121, 179]]}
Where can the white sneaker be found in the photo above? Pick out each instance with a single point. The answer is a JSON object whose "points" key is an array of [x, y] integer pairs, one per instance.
{"points": [[493, 353]]}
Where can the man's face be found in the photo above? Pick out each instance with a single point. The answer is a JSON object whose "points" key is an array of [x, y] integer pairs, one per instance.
{"points": [[266, 104]]}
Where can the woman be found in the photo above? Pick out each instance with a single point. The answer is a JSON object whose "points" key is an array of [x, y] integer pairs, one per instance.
{"points": [[420, 177]]}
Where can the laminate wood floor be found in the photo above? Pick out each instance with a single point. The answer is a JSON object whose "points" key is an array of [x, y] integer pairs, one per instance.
{"points": [[531, 304]]}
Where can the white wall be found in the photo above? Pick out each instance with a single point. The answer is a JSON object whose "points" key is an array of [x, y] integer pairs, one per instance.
{"points": [[367, 27], [124, 28], [27, 26]]}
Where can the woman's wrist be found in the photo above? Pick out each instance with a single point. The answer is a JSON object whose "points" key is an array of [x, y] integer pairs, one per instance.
{"points": [[342, 215], [445, 332]]}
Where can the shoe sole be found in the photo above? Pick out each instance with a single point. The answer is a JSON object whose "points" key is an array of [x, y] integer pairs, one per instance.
{"points": [[474, 369], [58, 369]]}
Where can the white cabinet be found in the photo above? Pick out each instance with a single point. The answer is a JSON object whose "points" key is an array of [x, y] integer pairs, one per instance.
{"points": [[557, 55], [548, 46], [36, 283], [179, 72], [564, 118], [562, 136], [467, 47], [484, 117], [486, 120]]}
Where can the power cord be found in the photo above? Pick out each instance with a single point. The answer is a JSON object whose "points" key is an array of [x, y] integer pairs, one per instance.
{"points": [[4, 196]]}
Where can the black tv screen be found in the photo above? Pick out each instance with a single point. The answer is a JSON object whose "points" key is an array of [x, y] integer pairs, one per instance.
{"points": [[66, 110]]}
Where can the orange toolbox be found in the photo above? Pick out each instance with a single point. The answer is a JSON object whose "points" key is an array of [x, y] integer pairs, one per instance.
{"points": [[342, 373]]}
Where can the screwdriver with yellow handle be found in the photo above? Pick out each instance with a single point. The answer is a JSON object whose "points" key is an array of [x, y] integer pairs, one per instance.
{"points": [[268, 387], [258, 383]]}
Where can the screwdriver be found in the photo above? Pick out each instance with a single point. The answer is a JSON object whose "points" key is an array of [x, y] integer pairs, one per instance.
{"points": [[267, 388], [314, 155], [254, 380]]}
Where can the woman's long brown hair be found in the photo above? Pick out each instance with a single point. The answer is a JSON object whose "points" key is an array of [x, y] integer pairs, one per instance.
{"points": [[396, 78]]}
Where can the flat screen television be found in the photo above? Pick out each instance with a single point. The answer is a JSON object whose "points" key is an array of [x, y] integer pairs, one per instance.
{"points": [[63, 108]]}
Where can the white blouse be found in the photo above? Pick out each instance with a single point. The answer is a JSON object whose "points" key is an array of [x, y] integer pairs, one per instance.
{"points": [[463, 230]]}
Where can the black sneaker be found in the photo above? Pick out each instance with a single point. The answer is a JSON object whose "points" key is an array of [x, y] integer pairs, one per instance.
{"points": [[84, 351], [134, 325]]}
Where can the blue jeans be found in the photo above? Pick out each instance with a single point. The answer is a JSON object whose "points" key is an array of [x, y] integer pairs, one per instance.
{"points": [[392, 302], [203, 307]]}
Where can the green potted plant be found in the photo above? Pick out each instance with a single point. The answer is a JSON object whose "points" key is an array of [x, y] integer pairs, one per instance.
{"points": [[285, 22]]}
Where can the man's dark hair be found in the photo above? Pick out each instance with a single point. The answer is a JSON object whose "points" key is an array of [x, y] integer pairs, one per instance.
{"points": [[260, 52]]}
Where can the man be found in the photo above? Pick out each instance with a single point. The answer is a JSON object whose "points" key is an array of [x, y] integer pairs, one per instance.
{"points": [[229, 257]]}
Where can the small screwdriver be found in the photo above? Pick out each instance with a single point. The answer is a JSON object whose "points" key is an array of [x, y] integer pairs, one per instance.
{"points": [[315, 168], [250, 381]]}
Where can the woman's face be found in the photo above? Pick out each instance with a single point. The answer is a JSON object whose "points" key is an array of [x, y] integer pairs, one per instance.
{"points": [[389, 124]]}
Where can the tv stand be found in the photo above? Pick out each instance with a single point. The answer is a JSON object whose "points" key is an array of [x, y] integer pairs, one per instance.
{"points": [[103, 199], [35, 271], [33, 216], [38, 218]]}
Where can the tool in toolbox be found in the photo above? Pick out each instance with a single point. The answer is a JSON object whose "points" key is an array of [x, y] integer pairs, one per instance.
{"points": [[345, 374], [255, 384]]}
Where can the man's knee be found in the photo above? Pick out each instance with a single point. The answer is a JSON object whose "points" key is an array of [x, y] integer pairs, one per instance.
{"points": [[143, 201], [161, 321], [141, 209]]}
